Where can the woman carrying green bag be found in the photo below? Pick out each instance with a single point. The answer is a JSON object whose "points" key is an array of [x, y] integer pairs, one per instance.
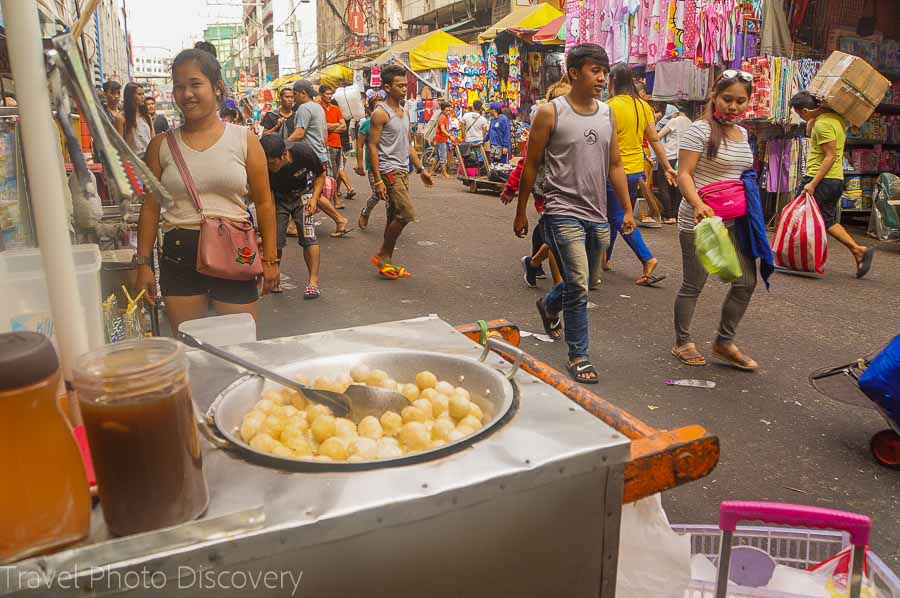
{"points": [[715, 153]]}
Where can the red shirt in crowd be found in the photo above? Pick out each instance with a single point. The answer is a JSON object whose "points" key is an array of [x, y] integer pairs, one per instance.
{"points": [[442, 123], [332, 116]]}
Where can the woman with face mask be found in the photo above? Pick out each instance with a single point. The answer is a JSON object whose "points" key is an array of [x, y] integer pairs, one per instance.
{"points": [[716, 150]]}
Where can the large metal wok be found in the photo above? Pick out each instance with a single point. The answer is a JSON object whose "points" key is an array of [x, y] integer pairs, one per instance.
{"points": [[495, 393]]}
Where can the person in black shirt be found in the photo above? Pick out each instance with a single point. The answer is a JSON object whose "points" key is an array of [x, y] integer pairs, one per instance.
{"points": [[273, 121], [296, 176], [160, 123]]}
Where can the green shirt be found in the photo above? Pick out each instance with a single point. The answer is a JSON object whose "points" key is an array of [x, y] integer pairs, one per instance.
{"points": [[828, 127], [365, 126]]}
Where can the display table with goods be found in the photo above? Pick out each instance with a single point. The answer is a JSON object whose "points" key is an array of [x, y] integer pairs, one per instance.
{"points": [[523, 495]]}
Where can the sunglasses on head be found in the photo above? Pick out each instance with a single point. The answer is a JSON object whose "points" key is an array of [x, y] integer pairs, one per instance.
{"points": [[736, 74]]}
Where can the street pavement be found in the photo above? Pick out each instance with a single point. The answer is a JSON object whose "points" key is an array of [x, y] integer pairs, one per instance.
{"points": [[780, 440]]}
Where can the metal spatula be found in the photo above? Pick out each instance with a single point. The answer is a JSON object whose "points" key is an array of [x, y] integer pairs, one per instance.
{"points": [[356, 403]]}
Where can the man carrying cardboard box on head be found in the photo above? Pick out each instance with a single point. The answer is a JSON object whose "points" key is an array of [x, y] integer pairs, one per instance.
{"points": [[849, 86]]}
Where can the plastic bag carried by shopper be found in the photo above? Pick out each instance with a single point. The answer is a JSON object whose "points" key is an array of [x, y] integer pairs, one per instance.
{"points": [[715, 250], [800, 242]]}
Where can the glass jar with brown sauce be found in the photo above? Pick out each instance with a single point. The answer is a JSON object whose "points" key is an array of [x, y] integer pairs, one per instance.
{"points": [[45, 502], [137, 409]]}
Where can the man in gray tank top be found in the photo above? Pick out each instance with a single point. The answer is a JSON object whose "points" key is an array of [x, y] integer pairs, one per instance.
{"points": [[390, 152], [575, 137]]}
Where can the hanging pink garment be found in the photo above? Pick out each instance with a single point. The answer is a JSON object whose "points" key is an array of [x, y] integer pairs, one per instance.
{"points": [[675, 29], [691, 9], [640, 26], [656, 36]]}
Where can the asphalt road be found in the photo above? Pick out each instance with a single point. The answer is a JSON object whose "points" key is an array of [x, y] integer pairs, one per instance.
{"points": [[780, 439]]}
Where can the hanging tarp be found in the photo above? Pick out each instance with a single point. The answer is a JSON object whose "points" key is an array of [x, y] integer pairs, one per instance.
{"points": [[553, 33], [336, 75], [522, 20], [426, 51], [282, 81]]}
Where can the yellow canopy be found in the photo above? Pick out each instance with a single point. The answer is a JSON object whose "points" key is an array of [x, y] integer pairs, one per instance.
{"points": [[426, 51], [526, 17], [282, 81], [336, 75]]}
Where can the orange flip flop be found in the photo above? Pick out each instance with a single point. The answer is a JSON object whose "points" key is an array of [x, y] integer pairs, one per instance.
{"points": [[389, 270]]}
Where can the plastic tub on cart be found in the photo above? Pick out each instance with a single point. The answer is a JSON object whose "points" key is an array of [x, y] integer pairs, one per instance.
{"points": [[26, 302]]}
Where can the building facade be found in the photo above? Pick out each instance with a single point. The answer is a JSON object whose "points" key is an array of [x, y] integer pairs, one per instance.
{"points": [[227, 40], [260, 60], [153, 70], [105, 38], [350, 28]]}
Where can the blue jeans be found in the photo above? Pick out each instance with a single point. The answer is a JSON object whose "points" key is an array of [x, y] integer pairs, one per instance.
{"points": [[442, 152], [577, 246], [617, 215]]}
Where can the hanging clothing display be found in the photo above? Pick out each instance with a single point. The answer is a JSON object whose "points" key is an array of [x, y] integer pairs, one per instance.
{"points": [[466, 76], [680, 80], [775, 81], [784, 163]]}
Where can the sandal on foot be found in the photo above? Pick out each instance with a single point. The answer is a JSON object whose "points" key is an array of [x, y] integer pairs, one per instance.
{"points": [[363, 220], [865, 264], [552, 325], [389, 270], [688, 354], [311, 292], [277, 288], [350, 194], [736, 360], [583, 371], [341, 232], [648, 280]]}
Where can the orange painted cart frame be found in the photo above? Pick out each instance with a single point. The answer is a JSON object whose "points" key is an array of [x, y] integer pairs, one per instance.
{"points": [[660, 459]]}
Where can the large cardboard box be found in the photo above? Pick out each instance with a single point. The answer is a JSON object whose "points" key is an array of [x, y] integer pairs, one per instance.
{"points": [[850, 87]]}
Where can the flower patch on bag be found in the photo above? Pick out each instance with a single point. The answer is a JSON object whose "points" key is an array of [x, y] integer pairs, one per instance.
{"points": [[246, 256]]}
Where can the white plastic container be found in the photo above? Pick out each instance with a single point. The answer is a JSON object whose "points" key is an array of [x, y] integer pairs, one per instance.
{"points": [[25, 302], [221, 331], [350, 101]]}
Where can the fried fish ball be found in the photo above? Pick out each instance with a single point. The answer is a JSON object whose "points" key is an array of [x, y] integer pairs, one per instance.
{"points": [[315, 411], [252, 425], [410, 391], [455, 435], [442, 429], [440, 404], [265, 405], [300, 446], [355, 459], [465, 430], [360, 372], [475, 411], [390, 384], [459, 406], [323, 383], [470, 421], [302, 379], [445, 388], [344, 428], [370, 427], [426, 379], [413, 414], [391, 422], [438, 443], [275, 395], [387, 450], [425, 406], [299, 401], [377, 377], [286, 411], [428, 394], [445, 415], [264, 443], [343, 382], [273, 425], [292, 433], [323, 427], [334, 448], [282, 451], [388, 440], [415, 436], [462, 391], [364, 447]]}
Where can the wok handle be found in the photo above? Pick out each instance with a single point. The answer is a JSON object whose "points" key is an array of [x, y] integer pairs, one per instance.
{"points": [[496, 344]]}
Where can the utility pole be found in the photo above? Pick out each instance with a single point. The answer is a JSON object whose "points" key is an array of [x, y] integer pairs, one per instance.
{"points": [[260, 44], [295, 37]]}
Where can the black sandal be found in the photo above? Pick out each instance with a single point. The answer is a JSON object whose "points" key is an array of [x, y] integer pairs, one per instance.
{"points": [[865, 264], [552, 325], [581, 372]]}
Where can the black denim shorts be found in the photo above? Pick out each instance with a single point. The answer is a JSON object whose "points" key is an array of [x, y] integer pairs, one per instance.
{"points": [[828, 194], [178, 276]]}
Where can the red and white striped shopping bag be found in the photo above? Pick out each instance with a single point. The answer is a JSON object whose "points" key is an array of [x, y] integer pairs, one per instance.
{"points": [[800, 242]]}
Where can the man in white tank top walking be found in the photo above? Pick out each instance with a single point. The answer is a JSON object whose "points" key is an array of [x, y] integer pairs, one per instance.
{"points": [[390, 151], [575, 137]]}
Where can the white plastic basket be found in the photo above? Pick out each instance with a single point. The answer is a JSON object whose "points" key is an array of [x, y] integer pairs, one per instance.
{"points": [[798, 548]]}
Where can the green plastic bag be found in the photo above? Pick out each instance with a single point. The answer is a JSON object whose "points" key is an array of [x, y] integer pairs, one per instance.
{"points": [[715, 250]]}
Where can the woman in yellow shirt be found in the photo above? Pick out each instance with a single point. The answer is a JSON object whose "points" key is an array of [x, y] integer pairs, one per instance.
{"points": [[634, 125], [824, 177]]}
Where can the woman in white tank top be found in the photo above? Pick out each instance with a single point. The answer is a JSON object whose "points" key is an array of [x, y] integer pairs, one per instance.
{"points": [[226, 162]]}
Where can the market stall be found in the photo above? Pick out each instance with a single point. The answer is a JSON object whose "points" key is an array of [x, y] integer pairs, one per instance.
{"points": [[550, 462]]}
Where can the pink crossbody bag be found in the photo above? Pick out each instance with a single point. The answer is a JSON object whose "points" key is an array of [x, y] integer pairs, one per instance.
{"points": [[227, 249], [726, 198]]}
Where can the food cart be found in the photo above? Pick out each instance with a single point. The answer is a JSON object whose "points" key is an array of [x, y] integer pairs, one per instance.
{"points": [[532, 507]]}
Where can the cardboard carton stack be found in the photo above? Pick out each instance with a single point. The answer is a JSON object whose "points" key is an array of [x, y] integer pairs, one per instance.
{"points": [[850, 86]]}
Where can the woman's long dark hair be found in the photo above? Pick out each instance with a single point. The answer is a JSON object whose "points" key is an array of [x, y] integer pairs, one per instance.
{"points": [[131, 111], [716, 129], [622, 79]]}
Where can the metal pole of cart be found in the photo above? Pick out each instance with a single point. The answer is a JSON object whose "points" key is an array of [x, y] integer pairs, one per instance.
{"points": [[44, 165]]}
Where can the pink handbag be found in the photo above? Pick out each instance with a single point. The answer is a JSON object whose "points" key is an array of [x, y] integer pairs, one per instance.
{"points": [[726, 198], [227, 249]]}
